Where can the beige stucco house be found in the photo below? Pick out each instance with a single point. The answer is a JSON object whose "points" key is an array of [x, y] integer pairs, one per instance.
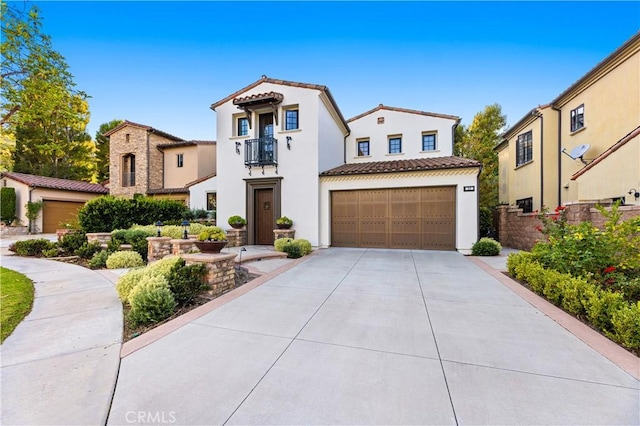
{"points": [[61, 198], [145, 160], [584, 146]]}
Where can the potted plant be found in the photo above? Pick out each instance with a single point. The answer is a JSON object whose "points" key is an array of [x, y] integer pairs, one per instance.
{"points": [[284, 223], [211, 240], [237, 222]]}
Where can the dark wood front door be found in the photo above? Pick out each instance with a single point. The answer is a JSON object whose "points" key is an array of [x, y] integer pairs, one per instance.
{"points": [[264, 217]]}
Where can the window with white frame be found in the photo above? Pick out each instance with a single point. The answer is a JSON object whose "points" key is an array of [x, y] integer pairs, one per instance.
{"points": [[428, 141], [524, 148], [577, 118], [395, 144]]}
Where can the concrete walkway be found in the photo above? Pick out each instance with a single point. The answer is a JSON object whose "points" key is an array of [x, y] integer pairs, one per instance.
{"points": [[356, 336], [60, 365]]}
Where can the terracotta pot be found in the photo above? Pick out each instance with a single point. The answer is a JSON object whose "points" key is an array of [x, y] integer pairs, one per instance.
{"points": [[211, 246], [284, 225]]}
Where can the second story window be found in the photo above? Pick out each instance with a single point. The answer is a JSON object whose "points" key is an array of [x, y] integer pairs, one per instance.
{"points": [[242, 126], [428, 141], [291, 119], [577, 118], [363, 148], [180, 160], [524, 148], [395, 145]]}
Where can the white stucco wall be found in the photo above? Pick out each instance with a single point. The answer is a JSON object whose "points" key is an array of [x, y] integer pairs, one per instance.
{"points": [[198, 193], [298, 167], [410, 126], [466, 202]]}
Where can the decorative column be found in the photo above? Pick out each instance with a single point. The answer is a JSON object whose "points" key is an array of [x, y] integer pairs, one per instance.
{"points": [[158, 248], [220, 270], [284, 233], [180, 246], [237, 237]]}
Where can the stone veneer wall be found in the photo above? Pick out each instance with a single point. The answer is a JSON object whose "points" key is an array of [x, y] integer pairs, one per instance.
{"points": [[180, 246], [518, 230], [236, 237], [284, 233], [220, 270], [100, 237], [158, 248]]}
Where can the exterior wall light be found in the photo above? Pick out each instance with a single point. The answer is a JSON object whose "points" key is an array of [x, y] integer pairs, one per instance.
{"points": [[289, 142], [238, 148], [634, 192]]}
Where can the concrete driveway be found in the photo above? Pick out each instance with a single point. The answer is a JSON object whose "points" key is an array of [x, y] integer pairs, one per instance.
{"points": [[356, 336]]}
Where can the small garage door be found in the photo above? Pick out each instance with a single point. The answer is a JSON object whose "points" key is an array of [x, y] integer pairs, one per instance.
{"points": [[408, 218], [56, 212]]}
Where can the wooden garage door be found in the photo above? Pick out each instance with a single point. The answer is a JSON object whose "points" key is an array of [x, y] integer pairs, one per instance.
{"points": [[410, 218], [56, 212]]}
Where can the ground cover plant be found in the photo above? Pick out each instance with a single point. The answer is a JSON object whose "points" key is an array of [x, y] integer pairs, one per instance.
{"points": [[16, 293], [592, 273]]}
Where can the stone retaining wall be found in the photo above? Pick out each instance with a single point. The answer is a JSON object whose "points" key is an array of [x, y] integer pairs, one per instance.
{"points": [[220, 270], [101, 237], [236, 237], [518, 230]]}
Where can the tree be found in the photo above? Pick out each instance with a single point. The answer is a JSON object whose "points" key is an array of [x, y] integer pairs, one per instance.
{"points": [[40, 105], [478, 142], [102, 149]]}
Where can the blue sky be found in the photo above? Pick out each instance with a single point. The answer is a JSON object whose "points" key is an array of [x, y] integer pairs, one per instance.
{"points": [[164, 63]]}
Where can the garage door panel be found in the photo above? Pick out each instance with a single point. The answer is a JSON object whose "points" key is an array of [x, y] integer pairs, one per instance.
{"points": [[56, 212], [409, 218]]}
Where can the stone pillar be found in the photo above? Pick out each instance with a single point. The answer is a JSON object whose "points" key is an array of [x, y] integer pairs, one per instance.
{"points": [[220, 270], [180, 246], [284, 233], [158, 248], [237, 237], [101, 237], [503, 235]]}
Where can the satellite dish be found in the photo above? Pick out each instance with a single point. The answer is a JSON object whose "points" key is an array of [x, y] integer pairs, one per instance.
{"points": [[578, 152]]}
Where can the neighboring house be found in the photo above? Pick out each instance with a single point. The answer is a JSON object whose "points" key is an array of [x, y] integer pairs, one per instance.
{"points": [[144, 160], [202, 194], [61, 198], [386, 178], [584, 146]]}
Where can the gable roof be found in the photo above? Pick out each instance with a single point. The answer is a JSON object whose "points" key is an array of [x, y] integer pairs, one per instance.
{"points": [[265, 79], [150, 129], [395, 166], [202, 179], [408, 111], [35, 181], [185, 143], [613, 148]]}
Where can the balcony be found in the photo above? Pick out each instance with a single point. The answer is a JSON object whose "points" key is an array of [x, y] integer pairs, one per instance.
{"points": [[261, 152]]}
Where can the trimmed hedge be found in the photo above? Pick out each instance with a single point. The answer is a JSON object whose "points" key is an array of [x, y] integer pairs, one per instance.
{"points": [[294, 248], [124, 259], [7, 205], [486, 247], [104, 214], [33, 247], [606, 310]]}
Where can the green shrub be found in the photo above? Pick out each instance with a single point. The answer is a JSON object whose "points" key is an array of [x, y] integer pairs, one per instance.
{"points": [[137, 238], [99, 259], [34, 247], [164, 266], [151, 305], [214, 233], [486, 222], [124, 259], [293, 251], [626, 326], [7, 205], [70, 243], [600, 306], [280, 243], [148, 280], [236, 220], [52, 252], [128, 281], [88, 250], [305, 246], [104, 214], [486, 247], [186, 282]]}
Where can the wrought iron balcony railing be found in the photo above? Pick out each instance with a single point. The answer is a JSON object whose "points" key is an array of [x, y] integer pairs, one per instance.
{"points": [[261, 152]]}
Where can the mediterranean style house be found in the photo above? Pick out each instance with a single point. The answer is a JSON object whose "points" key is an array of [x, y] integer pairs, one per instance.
{"points": [[144, 160], [386, 178], [582, 147]]}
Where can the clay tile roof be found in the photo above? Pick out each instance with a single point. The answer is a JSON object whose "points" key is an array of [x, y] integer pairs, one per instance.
{"points": [[409, 111], [126, 123], [168, 191], [613, 148], [259, 97], [55, 183], [396, 166], [202, 179], [185, 143]]}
